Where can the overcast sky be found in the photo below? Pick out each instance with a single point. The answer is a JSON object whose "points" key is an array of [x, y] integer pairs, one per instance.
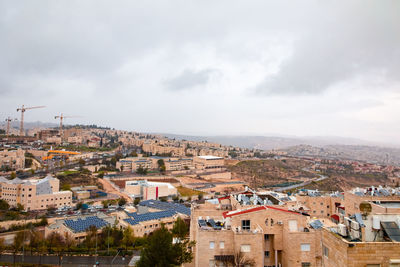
{"points": [[305, 68]]}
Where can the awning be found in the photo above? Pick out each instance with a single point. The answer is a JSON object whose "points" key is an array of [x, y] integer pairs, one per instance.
{"points": [[392, 230]]}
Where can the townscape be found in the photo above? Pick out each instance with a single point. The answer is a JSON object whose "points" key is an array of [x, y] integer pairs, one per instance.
{"points": [[204, 133], [87, 190]]}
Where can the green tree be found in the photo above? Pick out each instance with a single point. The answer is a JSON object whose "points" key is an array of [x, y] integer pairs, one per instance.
{"points": [[13, 175], [81, 162], [79, 205], [66, 187], [121, 201], [4, 205], [20, 207], [2, 245], [136, 201], [18, 242], [160, 251], [141, 170], [180, 229], [128, 237]]}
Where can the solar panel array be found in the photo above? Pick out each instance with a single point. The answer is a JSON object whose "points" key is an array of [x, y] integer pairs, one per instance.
{"points": [[159, 205], [317, 224], [137, 218], [81, 225]]}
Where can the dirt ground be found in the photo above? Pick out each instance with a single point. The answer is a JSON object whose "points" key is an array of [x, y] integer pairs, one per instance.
{"points": [[110, 189]]}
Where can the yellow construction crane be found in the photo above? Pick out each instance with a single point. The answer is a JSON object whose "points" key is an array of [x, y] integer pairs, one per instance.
{"points": [[9, 120], [62, 117], [23, 109]]}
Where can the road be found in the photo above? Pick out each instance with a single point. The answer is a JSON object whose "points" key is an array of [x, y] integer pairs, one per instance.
{"points": [[319, 178], [109, 188], [68, 261]]}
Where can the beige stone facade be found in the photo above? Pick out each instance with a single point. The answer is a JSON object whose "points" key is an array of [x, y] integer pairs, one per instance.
{"points": [[14, 159], [34, 194]]}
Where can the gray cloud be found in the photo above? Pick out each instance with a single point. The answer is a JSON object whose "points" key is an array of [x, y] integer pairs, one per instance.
{"points": [[107, 62], [189, 79], [341, 43]]}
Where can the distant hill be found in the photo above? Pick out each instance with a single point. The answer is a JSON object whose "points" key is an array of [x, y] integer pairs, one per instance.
{"points": [[275, 142], [30, 125], [373, 154]]}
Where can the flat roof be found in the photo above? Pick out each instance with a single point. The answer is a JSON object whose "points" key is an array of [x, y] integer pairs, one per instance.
{"points": [[210, 157]]}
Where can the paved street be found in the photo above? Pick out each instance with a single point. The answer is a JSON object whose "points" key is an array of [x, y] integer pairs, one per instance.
{"points": [[81, 261]]}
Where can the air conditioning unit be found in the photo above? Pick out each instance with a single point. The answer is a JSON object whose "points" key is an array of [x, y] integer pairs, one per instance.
{"points": [[347, 221], [342, 229], [355, 234], [355, 225]]}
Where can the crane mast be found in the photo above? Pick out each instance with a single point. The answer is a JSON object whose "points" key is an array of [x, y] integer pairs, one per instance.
{"points": [[9, 120], [23, 109]]}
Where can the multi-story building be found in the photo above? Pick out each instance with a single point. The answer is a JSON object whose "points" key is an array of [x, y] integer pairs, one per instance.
{"points": [[149, 190], [12, 159], [209, 163], [34, 194], [276, 230]]}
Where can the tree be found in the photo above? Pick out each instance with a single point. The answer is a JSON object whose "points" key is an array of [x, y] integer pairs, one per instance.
{"points": [[20, 207], [54, 242], [69, 241], [91, 234], [79, 205], [160, 251], [121, 201], [141, 170], [81, 162], [239, 259], [180, 229], [4, 205], [19, 240], [136, 201], [35, 240], [2, 245], [66, 187], [128, 237], [13, 175]]}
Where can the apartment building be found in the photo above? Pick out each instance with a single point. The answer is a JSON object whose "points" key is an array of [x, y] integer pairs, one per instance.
{"points": [[12, 159], [155, 149], [273, 229], [133, 163], [34, 194], [262, 235], [209, 163]]}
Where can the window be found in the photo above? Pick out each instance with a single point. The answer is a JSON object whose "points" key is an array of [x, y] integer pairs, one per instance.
{"points": [[305, 264], [325, 251], [266, 237], [245, 224], [266, 254], [222, 244], [212, 244], [292, 225], [245, 248], [305, 247]]}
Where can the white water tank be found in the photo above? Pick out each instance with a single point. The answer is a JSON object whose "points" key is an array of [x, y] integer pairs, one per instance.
{"points": [[376, 223]]}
